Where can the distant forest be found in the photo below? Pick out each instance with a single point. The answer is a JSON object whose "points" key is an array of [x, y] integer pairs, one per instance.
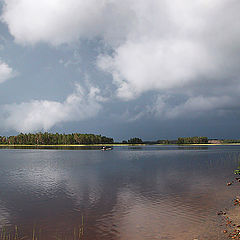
{"points": [[54, 139], [231, 141], [79, 138], [185, 140], [192, 140]]}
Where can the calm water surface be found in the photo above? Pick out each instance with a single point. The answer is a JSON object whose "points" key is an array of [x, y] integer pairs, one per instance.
{"points": [[153, 192]]}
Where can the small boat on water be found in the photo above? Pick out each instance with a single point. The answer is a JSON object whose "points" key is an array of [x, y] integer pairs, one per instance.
{"points": [[106, 148]]}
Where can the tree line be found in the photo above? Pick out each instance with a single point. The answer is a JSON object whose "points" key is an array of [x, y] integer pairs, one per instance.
{"points": [[192, 140], [55, 139], [134, 140], [181, 140], [79, 138], [231, 141]]}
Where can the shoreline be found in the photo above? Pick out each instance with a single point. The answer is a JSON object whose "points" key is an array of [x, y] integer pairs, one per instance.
{"points": [[115, 144], [231, 216], [68, 145]]}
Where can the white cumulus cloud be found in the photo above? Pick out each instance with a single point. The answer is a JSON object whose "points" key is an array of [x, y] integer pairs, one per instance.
{"points": [[176, 44], [63, 21], [153, 64], [170, 47], [43, 114], [55, 21], [6, 72]]}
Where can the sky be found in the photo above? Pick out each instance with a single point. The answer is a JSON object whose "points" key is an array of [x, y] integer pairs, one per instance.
{"points": [[155, 69]]}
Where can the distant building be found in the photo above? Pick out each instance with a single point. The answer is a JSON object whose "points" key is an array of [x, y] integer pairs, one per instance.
{"points": [[214, 141]]}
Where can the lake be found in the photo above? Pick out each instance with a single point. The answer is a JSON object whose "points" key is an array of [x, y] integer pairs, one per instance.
{"points": [[140, 193]]}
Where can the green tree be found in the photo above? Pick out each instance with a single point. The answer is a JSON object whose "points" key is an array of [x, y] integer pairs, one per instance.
{"points": [[135, 140]]}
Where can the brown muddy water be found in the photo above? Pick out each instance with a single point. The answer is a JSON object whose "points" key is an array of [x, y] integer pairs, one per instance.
{"points": [[136, 193]]}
